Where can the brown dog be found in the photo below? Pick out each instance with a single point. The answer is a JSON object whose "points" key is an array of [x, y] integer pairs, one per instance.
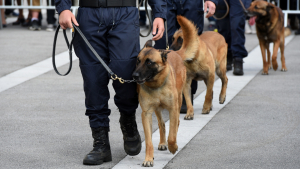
{"points": [[203, 56], [269, 28], [161, 76]]}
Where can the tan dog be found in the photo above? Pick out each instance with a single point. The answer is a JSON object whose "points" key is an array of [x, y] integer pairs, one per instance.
{"points": [[203, 56], [161, 76], [269, 28]]}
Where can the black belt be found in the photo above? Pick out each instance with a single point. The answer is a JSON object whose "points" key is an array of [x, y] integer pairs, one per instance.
{"points": [[106, 3]]}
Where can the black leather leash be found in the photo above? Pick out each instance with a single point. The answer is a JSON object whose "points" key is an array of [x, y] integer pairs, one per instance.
{"points": [[112, 74], [227, 10]]}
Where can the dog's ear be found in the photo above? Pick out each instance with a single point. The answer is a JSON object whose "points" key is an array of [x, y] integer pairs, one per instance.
{"points": [[269, 7], [148, 43], [164, 54]]}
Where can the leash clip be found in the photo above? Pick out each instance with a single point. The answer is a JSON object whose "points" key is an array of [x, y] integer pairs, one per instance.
{"points": [[116, 77]]}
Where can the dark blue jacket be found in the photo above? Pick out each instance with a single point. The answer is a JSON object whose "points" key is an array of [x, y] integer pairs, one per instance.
{"points": [[214, 1], [159, 7]]}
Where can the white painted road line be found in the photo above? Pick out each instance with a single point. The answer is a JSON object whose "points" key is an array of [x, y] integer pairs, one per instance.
{"points": [[30, 72], [252, 65]]}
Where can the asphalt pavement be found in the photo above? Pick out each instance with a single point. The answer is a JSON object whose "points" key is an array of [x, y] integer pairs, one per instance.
{"points": [[42, 122]]}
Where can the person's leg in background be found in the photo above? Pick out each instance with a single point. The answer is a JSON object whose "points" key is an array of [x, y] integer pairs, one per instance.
{"points": [[298, 31], [51, 20], [225, 30], [237, 25], [3, 16], [21, 18], [35, 22]]}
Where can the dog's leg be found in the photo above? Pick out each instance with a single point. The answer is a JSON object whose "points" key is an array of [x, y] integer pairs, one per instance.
{"points": [[207, 106], [262, 45], [162, 130], [274, 56], [147, 124], [172, 143], [221, 72], [187, 95], [269, 55], [284, 69]]}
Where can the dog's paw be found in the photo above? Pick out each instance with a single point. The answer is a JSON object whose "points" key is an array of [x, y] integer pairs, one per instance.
{"points": [[264, 73], [162, 147], [173, 148], [189, 117], [148, 163], [275, 64], [221, 100], [284, 69], [206, 111]]}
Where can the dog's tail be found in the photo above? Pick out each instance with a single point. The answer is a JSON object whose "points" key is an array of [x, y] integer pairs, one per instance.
{"points": [[190, 43]]}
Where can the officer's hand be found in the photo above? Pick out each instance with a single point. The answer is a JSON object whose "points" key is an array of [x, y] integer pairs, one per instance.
{"points": [[212, 8], [158, 23], [66, 18]]}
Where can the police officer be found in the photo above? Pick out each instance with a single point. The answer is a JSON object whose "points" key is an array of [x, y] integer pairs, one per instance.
{"points": [[232, 27], [112, 28], [192, 10]]}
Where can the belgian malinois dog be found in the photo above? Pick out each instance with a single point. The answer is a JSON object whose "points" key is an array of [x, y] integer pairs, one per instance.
{"points": [[161, 76], [203, 56], [269, 28]]}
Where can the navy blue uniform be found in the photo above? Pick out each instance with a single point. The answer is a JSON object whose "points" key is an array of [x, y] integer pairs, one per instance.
{"points": [[192, 10], [114, 34], [232, 27]]}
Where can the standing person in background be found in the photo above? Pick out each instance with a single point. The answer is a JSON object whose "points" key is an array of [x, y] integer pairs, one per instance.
{"points": [[192, 10], [232, 27], [112, 28], [3, 16]]}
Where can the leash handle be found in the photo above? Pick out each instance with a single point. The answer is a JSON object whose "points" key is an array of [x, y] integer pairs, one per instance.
{"points": [[147, 14], [113, 75], [53, 52]]}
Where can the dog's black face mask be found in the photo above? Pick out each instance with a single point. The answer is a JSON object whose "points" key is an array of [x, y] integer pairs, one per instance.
{"points": [[145, 70], [149, 63], [176, 43], [259, 9]]}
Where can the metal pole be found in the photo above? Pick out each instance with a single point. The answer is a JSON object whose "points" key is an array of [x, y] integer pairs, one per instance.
{"points": [[285, 19]]}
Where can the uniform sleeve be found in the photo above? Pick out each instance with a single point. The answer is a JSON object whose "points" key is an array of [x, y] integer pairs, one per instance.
{"points": [[214, 1], [62, 5], [159, 8]]}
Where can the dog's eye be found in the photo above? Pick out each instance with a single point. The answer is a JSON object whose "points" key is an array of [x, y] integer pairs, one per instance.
{"points": [[173, 39], [138, 61], [149, 63], [255, 7], [180, 40]]}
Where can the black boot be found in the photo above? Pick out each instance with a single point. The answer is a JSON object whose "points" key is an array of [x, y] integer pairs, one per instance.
{"points": [[131, 136], [101, 152], [229, 61], [183, 109], [238, 67]]}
